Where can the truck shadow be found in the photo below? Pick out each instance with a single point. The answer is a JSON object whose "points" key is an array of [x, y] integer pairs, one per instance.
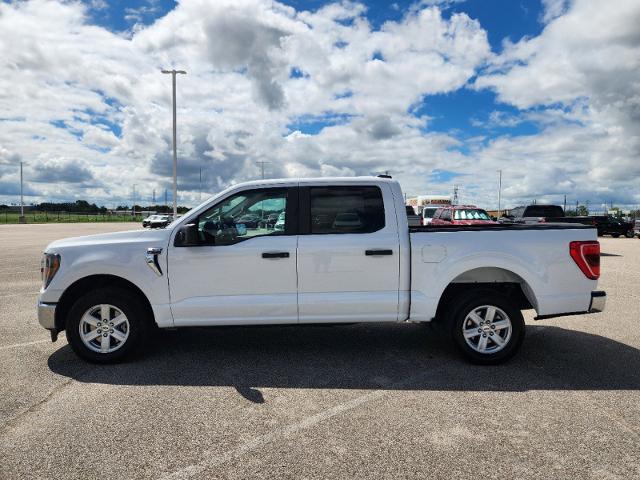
{"points": [[385, 356]]}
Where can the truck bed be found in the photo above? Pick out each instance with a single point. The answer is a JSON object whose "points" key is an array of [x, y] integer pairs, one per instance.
{"points": [[534, 257]]}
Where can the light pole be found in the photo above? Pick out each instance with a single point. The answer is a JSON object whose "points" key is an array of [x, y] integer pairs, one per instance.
{"points": [[175, 153], [21, 219], [133, 201], [499, 190], [262, 164]]}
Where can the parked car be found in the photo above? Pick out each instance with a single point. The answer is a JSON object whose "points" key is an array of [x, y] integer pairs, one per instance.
{"points": [[543, 214], [461, 215], [608, 225], [249, 220], [279, 226], [474, 279], [161, 221], [428, 211], [147, 221], [412, 218], [271, 220], [637, 227]]}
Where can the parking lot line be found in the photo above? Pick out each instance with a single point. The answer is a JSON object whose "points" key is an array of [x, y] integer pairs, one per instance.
{"points": [[286, 431], [26, 344]]}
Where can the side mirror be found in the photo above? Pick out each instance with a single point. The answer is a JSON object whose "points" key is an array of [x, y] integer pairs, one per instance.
{"points": [[187, 236]]}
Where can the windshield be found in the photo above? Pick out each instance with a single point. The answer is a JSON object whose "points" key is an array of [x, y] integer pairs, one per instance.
{"points": [[471, 214], [428, 212]]}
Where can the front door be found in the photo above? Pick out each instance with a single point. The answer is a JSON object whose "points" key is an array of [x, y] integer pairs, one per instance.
{"points": [[244, 269], [348, 254]]}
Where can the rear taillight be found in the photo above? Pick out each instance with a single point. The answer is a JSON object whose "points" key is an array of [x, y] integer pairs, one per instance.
{"points": [[422, 221], [587, 257]]}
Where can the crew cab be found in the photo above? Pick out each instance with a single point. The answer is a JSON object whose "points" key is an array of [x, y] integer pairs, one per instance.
{"points": [[343, 253]]}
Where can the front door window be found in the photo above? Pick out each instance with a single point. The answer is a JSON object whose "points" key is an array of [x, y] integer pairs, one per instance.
{"points": [[243, 216]]}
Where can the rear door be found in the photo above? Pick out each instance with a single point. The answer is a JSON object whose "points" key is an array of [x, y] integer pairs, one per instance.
{"points": [[348, 254]]}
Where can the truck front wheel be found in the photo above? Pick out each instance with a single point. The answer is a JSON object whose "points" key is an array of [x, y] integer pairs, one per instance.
{"points": [[486, 326], [106, 325]]}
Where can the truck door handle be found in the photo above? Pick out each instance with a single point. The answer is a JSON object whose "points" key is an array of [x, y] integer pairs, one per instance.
{"points": [[378, 252], [275, 254]]}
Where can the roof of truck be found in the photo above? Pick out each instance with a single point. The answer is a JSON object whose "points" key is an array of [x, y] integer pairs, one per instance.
{"points": [[318, 180]]}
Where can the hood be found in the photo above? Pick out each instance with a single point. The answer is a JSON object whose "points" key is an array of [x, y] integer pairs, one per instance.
{"points": [[130, 236]]}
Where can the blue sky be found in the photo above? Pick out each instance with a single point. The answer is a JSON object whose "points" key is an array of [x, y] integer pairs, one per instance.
{"points": [[437, 92], [453, 112]]}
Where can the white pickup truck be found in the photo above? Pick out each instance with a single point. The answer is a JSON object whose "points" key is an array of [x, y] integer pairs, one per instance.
{"points": [[343, 253]]}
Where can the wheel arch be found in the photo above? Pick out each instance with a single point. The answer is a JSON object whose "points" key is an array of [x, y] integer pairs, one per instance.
{"points": [[494, 279], [92, 282]]}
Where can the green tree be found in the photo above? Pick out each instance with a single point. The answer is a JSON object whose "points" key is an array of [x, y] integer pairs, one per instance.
{"points": [[582, 211]]}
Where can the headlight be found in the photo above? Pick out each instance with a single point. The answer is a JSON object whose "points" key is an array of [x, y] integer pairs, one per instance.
{"points": [[49, 266]]}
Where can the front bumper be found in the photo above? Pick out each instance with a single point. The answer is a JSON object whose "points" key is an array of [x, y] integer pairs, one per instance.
{"points": [[47, 315]]}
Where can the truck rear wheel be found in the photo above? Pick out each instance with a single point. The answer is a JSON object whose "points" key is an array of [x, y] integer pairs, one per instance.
{"points": [[486, 326], [106, 325]]}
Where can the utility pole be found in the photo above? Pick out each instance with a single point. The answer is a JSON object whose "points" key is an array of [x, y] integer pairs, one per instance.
{"points": [[262, 167], [200, 191], [175, 152], [499, 190], [21, 219], [133, 207], [565, 203], [455, 195], [154, 196]]}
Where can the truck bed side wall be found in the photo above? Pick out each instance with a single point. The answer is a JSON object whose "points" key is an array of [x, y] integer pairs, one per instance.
{"points": [[538, 259]]}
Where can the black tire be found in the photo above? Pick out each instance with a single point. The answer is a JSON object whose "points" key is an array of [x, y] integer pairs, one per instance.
{"points": [[467, 302], [127, 303], [629, 234]]}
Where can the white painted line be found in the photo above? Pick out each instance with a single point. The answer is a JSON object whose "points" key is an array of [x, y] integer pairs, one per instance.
{"points": [[287, 431], [26, 344], [29, 294]]}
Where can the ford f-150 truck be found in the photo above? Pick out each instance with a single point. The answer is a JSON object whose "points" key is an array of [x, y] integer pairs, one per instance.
{"points": [[343, 254]]}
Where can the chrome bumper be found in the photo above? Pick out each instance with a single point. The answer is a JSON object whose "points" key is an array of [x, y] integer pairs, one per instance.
{"points": [[47, 315], [598, 301]]}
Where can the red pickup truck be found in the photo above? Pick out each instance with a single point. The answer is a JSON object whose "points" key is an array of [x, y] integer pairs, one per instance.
{"points": [[461, 215]]}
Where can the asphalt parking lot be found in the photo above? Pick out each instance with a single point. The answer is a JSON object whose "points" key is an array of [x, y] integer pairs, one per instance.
{"points": [[383, 401]]}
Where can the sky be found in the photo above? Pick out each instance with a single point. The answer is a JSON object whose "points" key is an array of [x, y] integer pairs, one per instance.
{"points": [[436, 92]]}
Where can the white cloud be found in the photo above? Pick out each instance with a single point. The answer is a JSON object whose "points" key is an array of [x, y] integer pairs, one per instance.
{"points": [[580, 78], [81, 103]]}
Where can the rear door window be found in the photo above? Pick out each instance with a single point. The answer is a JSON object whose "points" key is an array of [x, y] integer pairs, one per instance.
{"points": [[346, 209]]}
